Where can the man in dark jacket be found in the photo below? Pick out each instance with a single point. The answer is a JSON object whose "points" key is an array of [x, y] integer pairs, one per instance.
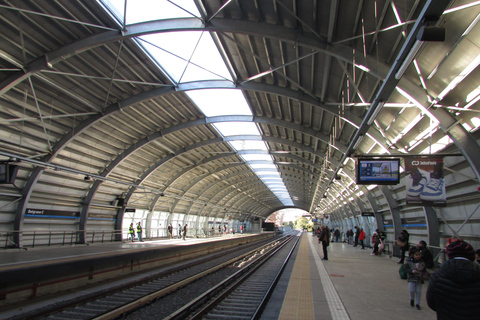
{"points": [[427, 256], [357, 234], [337, 234], [454, 290], [325, 239]]}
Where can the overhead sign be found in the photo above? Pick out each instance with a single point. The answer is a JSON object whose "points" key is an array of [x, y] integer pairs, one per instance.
{"points": [[368, 214]]}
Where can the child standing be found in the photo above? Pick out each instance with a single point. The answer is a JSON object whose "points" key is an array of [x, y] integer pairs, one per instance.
{"points": [[414, 269]]}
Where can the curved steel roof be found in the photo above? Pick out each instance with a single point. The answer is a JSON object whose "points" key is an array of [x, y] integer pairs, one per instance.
{"points": [[79, 97]]}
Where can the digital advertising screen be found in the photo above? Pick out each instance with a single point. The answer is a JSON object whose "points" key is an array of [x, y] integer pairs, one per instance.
{"points": [[378, 171]]}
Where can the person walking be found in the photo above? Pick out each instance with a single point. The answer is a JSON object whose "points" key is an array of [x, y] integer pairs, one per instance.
{"points": [[131, 231], [179, 231], [139, 232], [325, 239], [185, 231], [415, 269], [454, 291], [361, 237]]}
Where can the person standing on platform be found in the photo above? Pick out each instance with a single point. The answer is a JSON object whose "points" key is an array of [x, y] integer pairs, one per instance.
{"points": [[241, 229], [131, 231], [185, 231], [361, 237], [415, 269], [325, 238], [179, 231], [454, 290], [337, 235], [170, 231], [357, 234], [139, 232], [375, 242], [403, 243], [427, 256], [349, 236]]}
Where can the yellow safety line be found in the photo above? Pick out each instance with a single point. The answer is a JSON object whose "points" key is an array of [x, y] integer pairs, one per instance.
{"points": [[298, 301]]}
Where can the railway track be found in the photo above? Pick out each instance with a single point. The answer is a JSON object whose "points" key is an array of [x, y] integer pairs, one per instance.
{"points": [[113, 305], [244, 294]]}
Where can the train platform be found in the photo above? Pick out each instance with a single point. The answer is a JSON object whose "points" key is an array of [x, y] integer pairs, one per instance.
{"points": [[352, 284], [43, 271]]}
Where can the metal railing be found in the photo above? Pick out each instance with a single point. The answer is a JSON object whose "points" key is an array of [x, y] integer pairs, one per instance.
{"points": [[63, 238], [439, 253], [48, 238]]}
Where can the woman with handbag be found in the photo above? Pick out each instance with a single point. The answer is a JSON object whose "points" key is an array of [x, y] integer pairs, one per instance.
{"points": [[402, 242]]}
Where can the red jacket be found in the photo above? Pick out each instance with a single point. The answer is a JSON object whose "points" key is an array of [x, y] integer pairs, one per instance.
{"points": [[362, 235]]}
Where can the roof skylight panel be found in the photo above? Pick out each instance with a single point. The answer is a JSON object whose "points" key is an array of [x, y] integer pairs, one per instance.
{"points": [[258, 146], [219, 102], [189, 56], [148, 10]]}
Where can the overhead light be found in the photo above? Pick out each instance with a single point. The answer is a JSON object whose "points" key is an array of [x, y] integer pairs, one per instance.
{"points": [[87, 178], [425, 33], [408, 60], [376, 112], [360, 138]]}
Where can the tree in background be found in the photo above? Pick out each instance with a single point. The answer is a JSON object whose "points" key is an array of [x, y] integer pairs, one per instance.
{"points": [[288, 224], [276, 217], [302, 222]]}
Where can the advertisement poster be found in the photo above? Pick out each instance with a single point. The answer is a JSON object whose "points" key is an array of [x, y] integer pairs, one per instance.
{"points": [[424, 182]]}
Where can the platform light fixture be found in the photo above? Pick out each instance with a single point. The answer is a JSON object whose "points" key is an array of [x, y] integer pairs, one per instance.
{"points": [[426, 33], [360, 138], [375, 113], [408, 60]]}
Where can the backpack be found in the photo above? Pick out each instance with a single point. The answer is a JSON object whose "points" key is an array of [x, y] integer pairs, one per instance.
{"points": [[402, 272]]}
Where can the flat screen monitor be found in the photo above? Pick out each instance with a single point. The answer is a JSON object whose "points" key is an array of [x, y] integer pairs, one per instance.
{"points": [[378, 171]]}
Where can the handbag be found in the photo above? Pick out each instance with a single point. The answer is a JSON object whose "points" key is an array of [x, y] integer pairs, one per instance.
{"points": [[402, 272], [401, 244], [381, 246]]}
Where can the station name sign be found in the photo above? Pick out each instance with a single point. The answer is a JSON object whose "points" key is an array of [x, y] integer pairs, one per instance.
{"points": [[368, 214], [44, 213]]}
